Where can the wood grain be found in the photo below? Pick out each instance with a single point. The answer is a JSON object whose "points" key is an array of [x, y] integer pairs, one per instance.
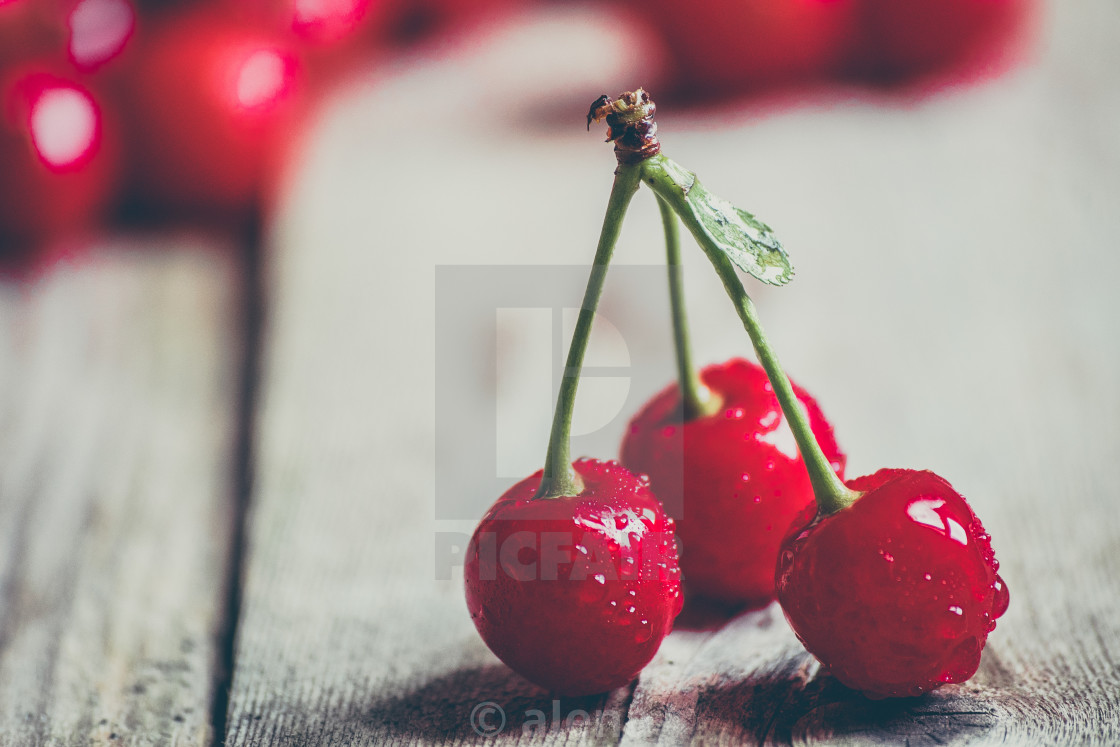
{"points": [[118, 375], [953, 310]]}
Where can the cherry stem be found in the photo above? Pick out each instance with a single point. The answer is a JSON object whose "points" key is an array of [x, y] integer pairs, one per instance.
{"points": [[696, 399], [559, 479], [831, 494]]}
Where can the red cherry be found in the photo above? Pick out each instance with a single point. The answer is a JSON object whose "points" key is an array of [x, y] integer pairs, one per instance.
{"points": [[575, 593], [59, 157], [407, 20], [895, 594], [28, 30], [327, 32], [740, 44], [213, 103], [733, 479], [899, 40]]}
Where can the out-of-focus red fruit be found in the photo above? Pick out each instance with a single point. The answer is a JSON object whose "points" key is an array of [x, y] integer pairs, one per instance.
{"points": [[60, 158], [326, 21], [900, 40], [327, 32], [747, 44], [212, 104], [409, 20], [29, 29]]}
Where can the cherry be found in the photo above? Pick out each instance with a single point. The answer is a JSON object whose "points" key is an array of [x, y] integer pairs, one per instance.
{"points": [[572, 576], [327, 33], [733, 478], [409, 20], [29, 30], [58, 146], [896, 593], [741, 44], [575, 593], [213, 102], [900, 40], [890, 581]]}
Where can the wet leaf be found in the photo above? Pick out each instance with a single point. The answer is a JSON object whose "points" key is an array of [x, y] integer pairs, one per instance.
{"points": [[717, 225]]}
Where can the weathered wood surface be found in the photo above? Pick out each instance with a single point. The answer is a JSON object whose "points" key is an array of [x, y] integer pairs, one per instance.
{"points": [[118, 377], [954, 309]]}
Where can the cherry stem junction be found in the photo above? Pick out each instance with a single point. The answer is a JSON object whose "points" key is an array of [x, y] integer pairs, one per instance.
{"points": [[696, 399], [559, 479]]}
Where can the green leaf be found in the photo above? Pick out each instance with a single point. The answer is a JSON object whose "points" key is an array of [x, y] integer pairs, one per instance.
{"points": [[717, 225]]}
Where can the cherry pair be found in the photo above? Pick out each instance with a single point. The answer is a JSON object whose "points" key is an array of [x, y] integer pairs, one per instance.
{"points": [[572, 577]]}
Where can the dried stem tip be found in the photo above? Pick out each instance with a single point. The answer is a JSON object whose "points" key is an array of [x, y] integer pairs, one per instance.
{"points": [[629, 124]]}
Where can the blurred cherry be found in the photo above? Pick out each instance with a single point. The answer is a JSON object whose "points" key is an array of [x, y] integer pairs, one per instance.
{"points": [[899, 41], [326, 32], [716, 45], [411, 20], [213, 103], [60, 156], [29, 29]]}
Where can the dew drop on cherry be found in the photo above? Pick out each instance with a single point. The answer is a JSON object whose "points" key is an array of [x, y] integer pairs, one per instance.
{"points": [[1002, 597]]}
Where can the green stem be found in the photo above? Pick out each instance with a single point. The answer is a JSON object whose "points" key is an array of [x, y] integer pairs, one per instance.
{"points": [[559, 478], [696, 401], [831, 494]]}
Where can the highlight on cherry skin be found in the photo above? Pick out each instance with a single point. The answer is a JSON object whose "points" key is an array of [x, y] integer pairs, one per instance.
{"points": [[575, 593], [733, 479], [895, 594], [58, 154]]}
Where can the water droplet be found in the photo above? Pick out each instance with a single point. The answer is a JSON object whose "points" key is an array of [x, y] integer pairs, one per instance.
{"points": [[887, 556], [621, 520], [757, 499], [769, 464], [1002, 597], [600, 578], [928, 577], [956, 610], [734, 413], [632, 593], [631, 609], [745, 477]]}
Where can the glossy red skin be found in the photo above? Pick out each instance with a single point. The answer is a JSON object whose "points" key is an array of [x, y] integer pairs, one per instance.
{"points": [[194, 149], [29, 29], [743, 44], [892, 605], [567, 631], [899, 40], [40, 202], [730, 528]]}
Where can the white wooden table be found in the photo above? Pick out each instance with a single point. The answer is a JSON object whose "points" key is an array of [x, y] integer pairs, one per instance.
{"points": [[224, 516]]}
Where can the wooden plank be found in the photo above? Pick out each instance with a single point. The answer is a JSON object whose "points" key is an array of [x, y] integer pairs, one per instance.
{"points": [[118, 385], [932, 351]]}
